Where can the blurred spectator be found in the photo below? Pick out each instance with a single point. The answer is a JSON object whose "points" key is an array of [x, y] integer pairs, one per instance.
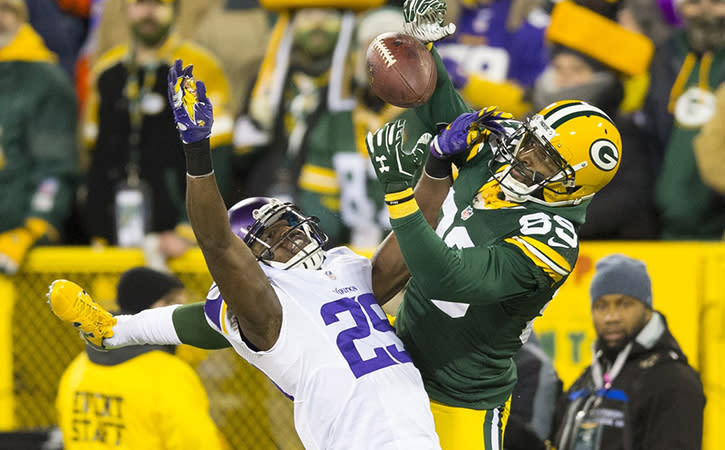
{"points": [[38, 144], [709, 152], [136, 180], [623, 209], [63, 24], [685, 72], [291, 93], [306, 121], [655, 19], [626, 397], [337, 146], [138, 397], [222, 26], [497, 52], [537, 389]]}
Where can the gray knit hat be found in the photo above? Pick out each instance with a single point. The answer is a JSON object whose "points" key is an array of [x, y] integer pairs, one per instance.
{"points": [[620, 274]]}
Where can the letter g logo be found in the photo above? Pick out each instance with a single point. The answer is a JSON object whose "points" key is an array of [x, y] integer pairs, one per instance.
{"points": [[604, 154]]}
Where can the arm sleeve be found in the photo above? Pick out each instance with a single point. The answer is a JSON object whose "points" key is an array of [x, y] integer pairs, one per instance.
{"points": [[446, 103], [470, 275], [193, 329], [669, 428], [185, 421], [53, 144]]}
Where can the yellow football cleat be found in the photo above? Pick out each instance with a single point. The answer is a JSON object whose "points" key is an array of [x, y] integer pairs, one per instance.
{"points": [[72, 304]]}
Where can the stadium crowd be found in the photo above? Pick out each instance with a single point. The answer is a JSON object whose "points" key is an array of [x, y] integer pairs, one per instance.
{"points": [[291, 119]]}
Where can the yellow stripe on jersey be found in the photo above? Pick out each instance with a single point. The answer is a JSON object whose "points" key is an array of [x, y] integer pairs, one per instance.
{"points": [[552, 263], [318, 179], [223, 317]]}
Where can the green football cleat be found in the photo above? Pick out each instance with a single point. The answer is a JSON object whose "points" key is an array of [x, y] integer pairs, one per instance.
{"points": [[72, 304]]}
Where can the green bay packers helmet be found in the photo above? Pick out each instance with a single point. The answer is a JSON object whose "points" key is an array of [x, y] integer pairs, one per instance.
{"points": [[577, 143]]}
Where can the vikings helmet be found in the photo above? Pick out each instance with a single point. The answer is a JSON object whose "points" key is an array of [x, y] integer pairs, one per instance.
{"points": [[576, 138], [250, 217]]}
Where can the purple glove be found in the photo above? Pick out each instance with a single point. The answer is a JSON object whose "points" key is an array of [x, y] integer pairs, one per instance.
{"points": [[467, 129], [193, 112]]}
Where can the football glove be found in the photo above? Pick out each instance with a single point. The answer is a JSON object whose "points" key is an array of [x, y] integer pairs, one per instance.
{"points": [[15, 243], [467, 129], [193, 112], [424, 20], [394, 167]]}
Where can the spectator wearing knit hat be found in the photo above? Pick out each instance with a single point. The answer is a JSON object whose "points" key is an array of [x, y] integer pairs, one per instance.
{"points": [[130, 398], [639, 392]]}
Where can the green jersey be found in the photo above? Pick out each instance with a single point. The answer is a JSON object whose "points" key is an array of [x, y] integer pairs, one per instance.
{"points": [[481, 278], [479, 281]]}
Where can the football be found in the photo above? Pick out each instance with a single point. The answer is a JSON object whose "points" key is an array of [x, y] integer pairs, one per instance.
{"points": [[401, 71]]}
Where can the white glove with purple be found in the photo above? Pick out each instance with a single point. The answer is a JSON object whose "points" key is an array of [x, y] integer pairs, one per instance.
{"points": [[193, 112], [424, 20]]}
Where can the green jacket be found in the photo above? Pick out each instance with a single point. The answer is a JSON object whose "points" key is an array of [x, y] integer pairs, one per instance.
{"points": [[38, 134]]}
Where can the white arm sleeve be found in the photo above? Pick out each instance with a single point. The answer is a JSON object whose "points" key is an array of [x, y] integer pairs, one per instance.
{"points": [[151, 326]]}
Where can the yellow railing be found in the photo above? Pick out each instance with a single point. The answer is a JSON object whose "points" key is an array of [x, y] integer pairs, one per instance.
{"points": [[35, 347]]}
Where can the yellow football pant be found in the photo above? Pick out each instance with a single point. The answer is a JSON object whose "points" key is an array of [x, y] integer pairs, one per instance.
{"points": [[470, 429]]}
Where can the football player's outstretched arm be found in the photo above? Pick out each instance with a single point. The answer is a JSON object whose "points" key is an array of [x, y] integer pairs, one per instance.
{"points": [[235, 270], [389, 270], [444, 271]]}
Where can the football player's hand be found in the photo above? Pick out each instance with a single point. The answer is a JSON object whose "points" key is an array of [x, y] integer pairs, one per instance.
{"points": [[424, 20], [193, 112], [15, 243], [467, 129], [394, 167]]}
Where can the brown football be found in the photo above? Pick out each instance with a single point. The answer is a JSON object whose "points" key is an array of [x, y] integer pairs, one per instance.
{"points": [[401, 71]]}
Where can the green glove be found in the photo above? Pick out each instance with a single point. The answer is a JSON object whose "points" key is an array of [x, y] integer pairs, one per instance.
{"points": [[394, 167]]}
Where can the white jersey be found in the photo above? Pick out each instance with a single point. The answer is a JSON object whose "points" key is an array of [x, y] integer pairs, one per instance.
{"points": [[354, 386]]}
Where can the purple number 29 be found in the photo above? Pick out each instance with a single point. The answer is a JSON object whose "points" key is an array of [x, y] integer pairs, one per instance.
{"points": [[361, 309]]}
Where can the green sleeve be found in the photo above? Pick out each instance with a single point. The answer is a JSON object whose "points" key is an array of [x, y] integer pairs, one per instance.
{"points": [[446, 103], [193, 329], [475, 275]]}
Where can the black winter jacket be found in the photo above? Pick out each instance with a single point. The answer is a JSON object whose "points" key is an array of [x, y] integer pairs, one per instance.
{"points": [[655, 402]]}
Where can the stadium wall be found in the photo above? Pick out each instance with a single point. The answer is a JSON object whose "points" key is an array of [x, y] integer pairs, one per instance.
{"points": [[35, 347]]}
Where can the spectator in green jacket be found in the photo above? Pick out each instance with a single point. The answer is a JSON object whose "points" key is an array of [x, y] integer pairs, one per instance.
{"points": [[38, 146]]}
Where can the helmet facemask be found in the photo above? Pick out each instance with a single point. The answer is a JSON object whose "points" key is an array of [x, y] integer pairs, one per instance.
{"points": [[531, 146], [303, 238]]}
